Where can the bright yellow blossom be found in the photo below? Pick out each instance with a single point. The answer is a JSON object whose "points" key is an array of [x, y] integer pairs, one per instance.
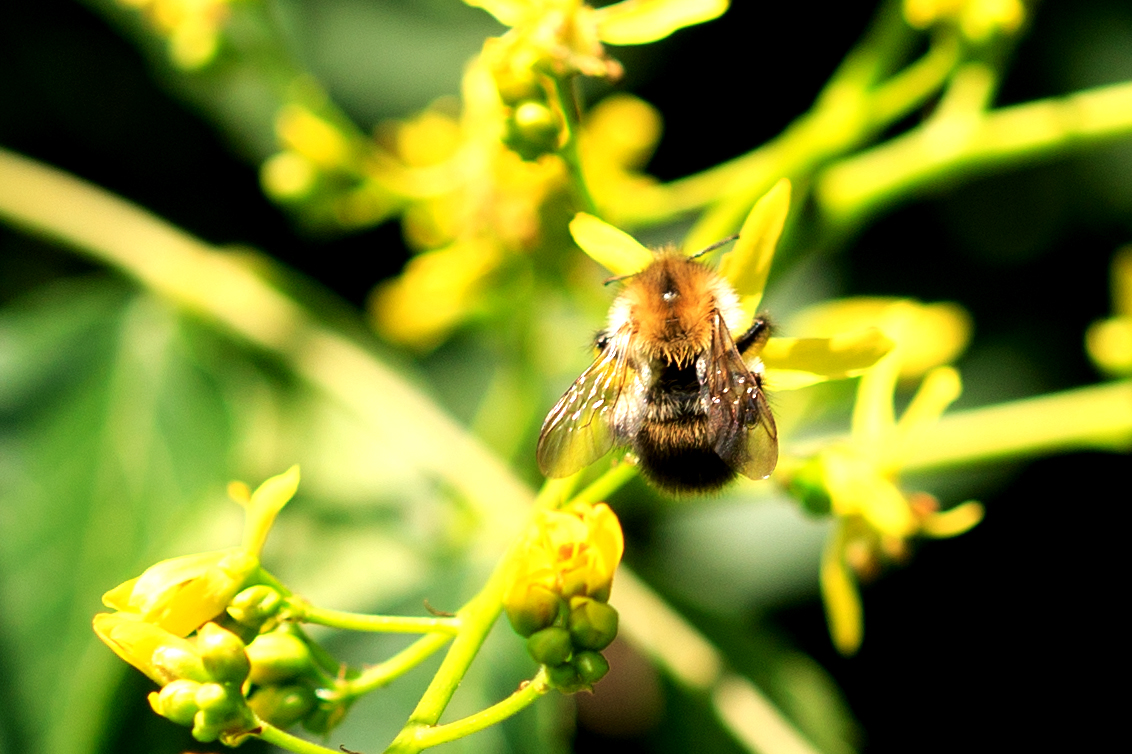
{"points": [[572, 552]]}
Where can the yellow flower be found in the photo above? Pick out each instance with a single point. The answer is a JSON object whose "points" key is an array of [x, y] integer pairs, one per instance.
{"points": [[181, 594], [161, 655], [176, 597], [565, 553], [565, 36], [977, 20], [192, 27], [472, 204], [857, 481], [1110, 340]]}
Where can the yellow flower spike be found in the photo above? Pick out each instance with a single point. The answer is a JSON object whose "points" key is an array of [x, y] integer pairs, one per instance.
{"points": [[181, 594], [747, 265], [635, 22], [611, 247], [264, 505]]}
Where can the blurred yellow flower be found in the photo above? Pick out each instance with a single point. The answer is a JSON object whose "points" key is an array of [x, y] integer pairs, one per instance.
{"points": [[978, 20], [192, 27], [857, 481], [1110, 341], [572, 552], [565, 36]]}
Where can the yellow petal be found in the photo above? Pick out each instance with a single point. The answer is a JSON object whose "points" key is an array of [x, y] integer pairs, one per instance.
{"points": [[953, 522], [927, 335], [635, 22], [839, 595], [940, 388], [612, 248], [1110, 344], [265, 504], [747, 265], [824, 358], [508, 12]]}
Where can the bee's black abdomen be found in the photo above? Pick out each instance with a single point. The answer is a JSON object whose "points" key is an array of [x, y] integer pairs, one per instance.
{"points": [[683, 470]]}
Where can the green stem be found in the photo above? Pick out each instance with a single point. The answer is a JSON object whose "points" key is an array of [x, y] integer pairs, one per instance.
{"points": [[384, 673], [527, 693], [400, 624], [476, 619], [285, 740], [565, 94], [944, 150], [601, 488]]}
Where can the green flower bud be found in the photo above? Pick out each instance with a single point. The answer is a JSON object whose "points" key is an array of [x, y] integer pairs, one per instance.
{"points": [[173, 661], [177, 701], [532, 130], [277, 656], [591, 667], [532, 609], [565, 678], [550, 646], [283, 706], [222, 710], [593, 624], [223, 654], [809, 488], [255, 605]]}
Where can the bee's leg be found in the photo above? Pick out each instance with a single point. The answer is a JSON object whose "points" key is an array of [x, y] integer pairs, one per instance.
{"points": [[757, 335]]}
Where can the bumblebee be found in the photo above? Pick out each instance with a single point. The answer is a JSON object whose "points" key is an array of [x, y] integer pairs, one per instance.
{"points": [[670, 383]]}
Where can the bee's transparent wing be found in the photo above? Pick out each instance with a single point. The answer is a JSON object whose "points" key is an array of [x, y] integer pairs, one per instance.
{"points": [[579, 429], [738, 414]]}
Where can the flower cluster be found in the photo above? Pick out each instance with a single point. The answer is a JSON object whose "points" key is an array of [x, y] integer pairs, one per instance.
{"points": [[857, 481], [206, 629], [558, 591]]}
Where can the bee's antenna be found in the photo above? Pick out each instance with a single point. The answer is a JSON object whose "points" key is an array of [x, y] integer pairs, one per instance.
{"points": [[619, 278], [714, 246]]}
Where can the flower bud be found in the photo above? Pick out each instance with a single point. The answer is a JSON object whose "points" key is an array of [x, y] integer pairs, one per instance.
{"points": [[564, 677], [277, 656], [222, 710], [593, 624], [591, 667], [223, 654], [532, 130], [283, 706], [536, 610], [550, 646], [177, 701], [175, 661], [255, 605]]}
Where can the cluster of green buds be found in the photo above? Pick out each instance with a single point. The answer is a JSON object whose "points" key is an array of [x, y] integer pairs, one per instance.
{"points": [[558, 592]]}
